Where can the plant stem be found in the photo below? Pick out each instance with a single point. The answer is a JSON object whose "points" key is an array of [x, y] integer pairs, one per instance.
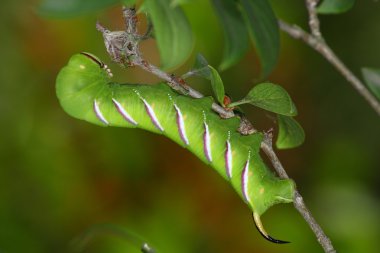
{"points": [[319, 44], [313, 18], [299, 203], [240, 102], [176, 84]]}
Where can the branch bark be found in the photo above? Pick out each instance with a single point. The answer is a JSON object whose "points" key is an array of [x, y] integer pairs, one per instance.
{"points": [[299, 203], [313, 18], [319, 45], [179, 85], [131, 56]]}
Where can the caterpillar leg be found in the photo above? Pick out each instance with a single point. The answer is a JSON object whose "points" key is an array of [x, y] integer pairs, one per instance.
{"points": [[262, 231]]}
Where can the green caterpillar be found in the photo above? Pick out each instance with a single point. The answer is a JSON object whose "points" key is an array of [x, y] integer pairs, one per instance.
{"points": [[85, 91]]}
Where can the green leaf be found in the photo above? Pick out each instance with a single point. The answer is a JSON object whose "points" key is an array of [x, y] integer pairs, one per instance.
{"points": [[290, 134], [72, 8], [172, 32], [200, 62], [235, 34], [335, 6], [128, 2], [372, 79], [217, 85], [200, 68], [263, 27], [271, 97]]}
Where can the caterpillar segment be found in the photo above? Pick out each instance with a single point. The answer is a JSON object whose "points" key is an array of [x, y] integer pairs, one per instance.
{"points": [[86, 92]]}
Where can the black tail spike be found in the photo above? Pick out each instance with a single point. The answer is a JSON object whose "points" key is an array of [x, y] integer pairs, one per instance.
{"points": [[262, 231]]}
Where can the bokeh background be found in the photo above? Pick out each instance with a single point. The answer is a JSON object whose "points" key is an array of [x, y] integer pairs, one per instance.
{"points": [[63, 180]]}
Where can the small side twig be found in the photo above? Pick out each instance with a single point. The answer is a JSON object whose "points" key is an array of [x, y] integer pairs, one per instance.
{"points": [[175, 84], [316, 41], [188, 74], [133, 57], [313, 18], [148, 32]]}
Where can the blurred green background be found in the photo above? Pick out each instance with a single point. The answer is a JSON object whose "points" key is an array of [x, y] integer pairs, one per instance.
{"points": [[60, 177]]}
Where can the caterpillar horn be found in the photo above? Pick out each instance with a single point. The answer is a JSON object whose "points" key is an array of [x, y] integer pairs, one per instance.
{"points": [[262, 231]]}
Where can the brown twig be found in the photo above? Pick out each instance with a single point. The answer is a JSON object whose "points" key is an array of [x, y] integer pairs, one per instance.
{"points": [[313, 18], [176, 84], [148, 32], [299, 203], [131, 56], [319, 44]]}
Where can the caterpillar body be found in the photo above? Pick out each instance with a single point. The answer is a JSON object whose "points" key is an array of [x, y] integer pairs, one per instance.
{"points": [[85, 91]]}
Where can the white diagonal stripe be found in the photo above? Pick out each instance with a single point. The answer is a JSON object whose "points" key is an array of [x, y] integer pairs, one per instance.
{"points": [[123, 112], [207, 142], [99, 113], [181, 125], [229, 159], [245, 179], [152, 115]]}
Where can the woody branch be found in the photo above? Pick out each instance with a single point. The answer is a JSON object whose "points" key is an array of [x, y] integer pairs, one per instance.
{"points": [[315, 40]]}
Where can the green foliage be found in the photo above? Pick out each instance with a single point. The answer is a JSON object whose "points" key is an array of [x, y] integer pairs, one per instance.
{"points": [[271, 97], [71, 8], [172, 32], [201, 68], [263, 27], [372, 79], [174, 35], [235, 33], [290, 133], [335, 6], [217, 85]]}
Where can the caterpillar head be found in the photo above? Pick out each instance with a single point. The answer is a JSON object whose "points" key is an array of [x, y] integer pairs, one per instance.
{"points": [[79, 82], [99, 62]]}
